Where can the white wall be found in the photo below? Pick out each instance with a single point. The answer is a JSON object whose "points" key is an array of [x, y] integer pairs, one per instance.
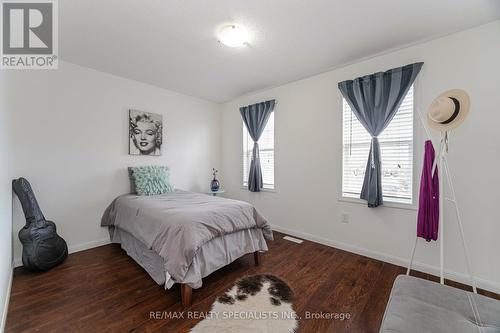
{"points": [[5, 207], [308, 157], [69, 138]]}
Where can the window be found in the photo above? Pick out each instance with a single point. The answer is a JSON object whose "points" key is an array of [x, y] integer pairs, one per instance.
{"points": [[266, 147], [396, 145]]}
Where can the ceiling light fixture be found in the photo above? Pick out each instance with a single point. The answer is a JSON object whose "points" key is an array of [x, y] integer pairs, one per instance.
{"points": [[233, 36]]}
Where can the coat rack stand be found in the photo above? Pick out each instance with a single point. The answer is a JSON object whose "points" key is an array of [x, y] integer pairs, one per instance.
{"points": [[441, 162]]}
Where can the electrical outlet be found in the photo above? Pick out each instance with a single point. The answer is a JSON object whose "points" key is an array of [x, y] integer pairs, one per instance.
{"points": [[344, 218]]}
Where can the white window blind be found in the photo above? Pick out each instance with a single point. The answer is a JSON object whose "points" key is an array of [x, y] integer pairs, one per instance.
{"points": [[396, 145], [266, 147]]}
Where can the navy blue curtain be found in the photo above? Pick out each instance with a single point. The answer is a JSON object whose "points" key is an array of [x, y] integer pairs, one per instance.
{"points": [[255, 118], [375, 99]]}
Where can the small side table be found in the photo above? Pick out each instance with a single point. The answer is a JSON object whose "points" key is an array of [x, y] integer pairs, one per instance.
{"points": [[214, 193]]}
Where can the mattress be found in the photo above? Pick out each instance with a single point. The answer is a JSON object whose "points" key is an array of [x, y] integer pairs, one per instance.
{"points": [[211, 256]]}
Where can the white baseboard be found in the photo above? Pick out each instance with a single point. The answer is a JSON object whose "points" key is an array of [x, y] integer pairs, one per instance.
{"points": [[74, 248], [426, 268], [6, 303], [88, 245]]}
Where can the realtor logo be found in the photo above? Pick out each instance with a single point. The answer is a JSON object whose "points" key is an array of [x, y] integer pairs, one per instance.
{"points": [[29, 35]]}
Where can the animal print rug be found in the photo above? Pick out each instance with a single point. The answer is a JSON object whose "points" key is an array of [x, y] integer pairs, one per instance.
{"points": [[258, 303]]}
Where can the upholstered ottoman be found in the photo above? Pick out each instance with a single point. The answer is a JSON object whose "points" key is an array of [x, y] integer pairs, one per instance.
{"points": [[418, 305]]}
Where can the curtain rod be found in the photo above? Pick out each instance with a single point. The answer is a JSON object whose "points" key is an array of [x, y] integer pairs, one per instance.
{"points": [[275, 103]]}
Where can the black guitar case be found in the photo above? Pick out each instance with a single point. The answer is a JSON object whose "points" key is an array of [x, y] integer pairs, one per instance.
{"points": [[43, 248]]}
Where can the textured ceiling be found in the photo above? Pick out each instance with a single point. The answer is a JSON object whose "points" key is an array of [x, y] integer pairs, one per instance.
{"points": [[172, 43]]}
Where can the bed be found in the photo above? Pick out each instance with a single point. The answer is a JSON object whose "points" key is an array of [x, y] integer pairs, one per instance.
{"points": [[181, 237]]}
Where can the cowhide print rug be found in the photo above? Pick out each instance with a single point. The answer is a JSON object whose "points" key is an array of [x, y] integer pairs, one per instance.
{"points": [[258, 303]]}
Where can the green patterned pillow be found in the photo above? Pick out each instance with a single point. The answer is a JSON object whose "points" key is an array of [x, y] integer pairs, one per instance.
{"points": [[151, 180]]}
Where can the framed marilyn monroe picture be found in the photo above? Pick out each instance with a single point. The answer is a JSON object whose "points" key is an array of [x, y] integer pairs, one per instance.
{"points": [[145, 133]]}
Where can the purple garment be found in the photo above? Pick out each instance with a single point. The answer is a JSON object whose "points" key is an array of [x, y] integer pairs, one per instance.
{"points": [[428, 204]]}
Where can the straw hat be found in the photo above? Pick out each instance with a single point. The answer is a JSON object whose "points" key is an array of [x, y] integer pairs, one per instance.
{"points": [[448, 110]]}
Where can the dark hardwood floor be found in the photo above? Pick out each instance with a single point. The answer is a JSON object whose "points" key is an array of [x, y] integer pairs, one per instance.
{"points": [[103, 290]]}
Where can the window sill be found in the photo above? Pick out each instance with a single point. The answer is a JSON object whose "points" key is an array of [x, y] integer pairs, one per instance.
{"points": [[270, 190], [387, 204]]}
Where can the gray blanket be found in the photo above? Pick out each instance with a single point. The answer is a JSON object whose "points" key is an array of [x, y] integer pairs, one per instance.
{"points": [[175, 225]]}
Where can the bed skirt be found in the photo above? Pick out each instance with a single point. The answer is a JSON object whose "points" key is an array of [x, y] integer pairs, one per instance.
{"points": [[213, 255]]}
